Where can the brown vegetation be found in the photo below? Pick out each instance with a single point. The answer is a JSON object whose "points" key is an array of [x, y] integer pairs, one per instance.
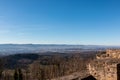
{"points": [[45, 67]]}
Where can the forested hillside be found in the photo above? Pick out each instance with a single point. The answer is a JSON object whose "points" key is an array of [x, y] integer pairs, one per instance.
{"points": [[36, 66]]}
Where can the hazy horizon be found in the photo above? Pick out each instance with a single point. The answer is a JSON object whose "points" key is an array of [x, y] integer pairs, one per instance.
{"points": [[64, 44], [80, 22]]}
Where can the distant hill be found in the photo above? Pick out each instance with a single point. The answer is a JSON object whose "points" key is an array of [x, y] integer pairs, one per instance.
{"points": [[6, 49], [21, 60]]}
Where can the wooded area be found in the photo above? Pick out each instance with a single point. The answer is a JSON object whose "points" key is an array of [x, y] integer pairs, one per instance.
{"points": [[45, 67]]}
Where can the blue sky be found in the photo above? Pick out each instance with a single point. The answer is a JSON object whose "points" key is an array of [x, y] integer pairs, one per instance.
{"points": [[60, 21]]}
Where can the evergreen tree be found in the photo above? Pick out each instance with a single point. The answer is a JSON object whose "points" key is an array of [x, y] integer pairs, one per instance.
{"points": [[1, 68], [20, 74], [16, 75]]}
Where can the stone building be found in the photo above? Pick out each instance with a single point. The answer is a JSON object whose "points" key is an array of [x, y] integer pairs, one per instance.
{"points": [[106, 66]]}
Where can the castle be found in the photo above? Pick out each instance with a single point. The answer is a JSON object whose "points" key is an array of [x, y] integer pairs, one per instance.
{"points": [[106, 66]]}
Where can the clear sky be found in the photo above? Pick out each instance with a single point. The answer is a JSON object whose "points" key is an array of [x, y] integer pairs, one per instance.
{"points": [[60, 21]]}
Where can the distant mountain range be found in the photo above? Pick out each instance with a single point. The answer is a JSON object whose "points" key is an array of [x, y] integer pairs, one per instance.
{"points": [[6, 49]]}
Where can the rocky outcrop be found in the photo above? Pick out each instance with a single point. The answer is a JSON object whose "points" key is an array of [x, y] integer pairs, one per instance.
{"points": [[106, 65]]}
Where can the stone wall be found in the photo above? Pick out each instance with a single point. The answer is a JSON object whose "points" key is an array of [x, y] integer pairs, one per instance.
{"points": [[103, 70], [113, 53], [105, 66], [110, 53]]}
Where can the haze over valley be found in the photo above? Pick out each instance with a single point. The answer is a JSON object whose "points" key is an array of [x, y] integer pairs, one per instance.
{"points": [[8, 49]]}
